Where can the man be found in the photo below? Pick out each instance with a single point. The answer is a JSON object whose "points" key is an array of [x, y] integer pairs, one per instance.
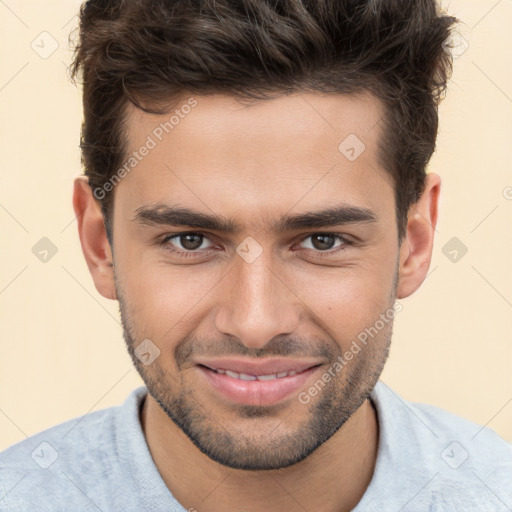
{"points": [[256, 200]]}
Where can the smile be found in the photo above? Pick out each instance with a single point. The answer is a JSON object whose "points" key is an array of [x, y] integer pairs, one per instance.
{"points": [[264, 389], [245, 376]]}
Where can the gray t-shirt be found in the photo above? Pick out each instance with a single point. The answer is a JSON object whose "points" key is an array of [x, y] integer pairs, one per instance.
{"points": [[428, 461]]}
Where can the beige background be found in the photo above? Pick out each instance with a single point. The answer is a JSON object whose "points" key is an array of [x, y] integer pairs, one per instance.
{"points": [[61, 348]]}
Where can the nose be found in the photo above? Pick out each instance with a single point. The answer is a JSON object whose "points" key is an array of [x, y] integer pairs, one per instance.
{"points": [[259, 303]]}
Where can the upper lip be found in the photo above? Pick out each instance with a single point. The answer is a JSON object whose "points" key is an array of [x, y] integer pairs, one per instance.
{"points": [[265, 366]]}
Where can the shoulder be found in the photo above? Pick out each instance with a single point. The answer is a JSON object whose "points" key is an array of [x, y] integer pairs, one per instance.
{"points": [[63, 461], [468, 438], [427, 422], [23, 453], [49, 458], [440, 459]]}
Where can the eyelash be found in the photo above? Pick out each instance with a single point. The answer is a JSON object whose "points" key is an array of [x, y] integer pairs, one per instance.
{"points": [[188, 254]]}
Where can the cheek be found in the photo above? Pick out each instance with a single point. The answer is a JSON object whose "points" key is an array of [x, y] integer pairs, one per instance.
{"points": [[346, 301], [163, 296]]}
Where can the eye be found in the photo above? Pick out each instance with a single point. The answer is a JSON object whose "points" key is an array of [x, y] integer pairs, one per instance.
{"points": [[324, 242], [191, 243]]}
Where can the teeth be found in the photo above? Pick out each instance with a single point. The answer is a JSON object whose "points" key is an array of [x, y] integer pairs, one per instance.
{"points": [[267, 377], [245, 376]]}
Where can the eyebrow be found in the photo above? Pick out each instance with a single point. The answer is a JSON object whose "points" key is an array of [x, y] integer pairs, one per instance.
{"points": [[165, 215]]}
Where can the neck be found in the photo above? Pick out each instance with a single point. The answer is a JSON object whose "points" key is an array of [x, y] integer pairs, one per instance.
{"points": [[332, 479]]}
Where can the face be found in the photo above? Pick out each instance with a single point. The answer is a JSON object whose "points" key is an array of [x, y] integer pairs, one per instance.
{"points": [[256, 284]]}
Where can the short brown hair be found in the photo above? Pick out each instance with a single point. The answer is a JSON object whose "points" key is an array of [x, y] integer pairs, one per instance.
{"points": [[150, 52]]}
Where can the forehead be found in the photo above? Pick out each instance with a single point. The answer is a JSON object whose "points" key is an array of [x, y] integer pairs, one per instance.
{"points": [[215, 153]]}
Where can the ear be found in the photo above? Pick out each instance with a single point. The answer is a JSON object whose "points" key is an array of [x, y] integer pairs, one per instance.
{"points": [[417, 245], [93, 237]]}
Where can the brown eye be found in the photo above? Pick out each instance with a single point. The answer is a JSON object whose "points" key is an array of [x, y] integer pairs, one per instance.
{"points": [[191, 241], [186, 243], [322, 242]]}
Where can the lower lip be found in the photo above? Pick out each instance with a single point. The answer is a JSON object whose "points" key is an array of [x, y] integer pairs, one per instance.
{"points": [[256, 392]]}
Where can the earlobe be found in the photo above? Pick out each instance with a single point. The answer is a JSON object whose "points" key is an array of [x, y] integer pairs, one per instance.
{"points": [[93, 238], [416, 248]]}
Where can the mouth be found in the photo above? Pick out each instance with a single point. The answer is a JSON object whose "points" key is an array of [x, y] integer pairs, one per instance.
{"points": [[259, 386], [246, 376]]}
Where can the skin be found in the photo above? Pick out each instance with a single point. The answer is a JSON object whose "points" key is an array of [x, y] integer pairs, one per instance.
{"points": [[252, 164]]}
